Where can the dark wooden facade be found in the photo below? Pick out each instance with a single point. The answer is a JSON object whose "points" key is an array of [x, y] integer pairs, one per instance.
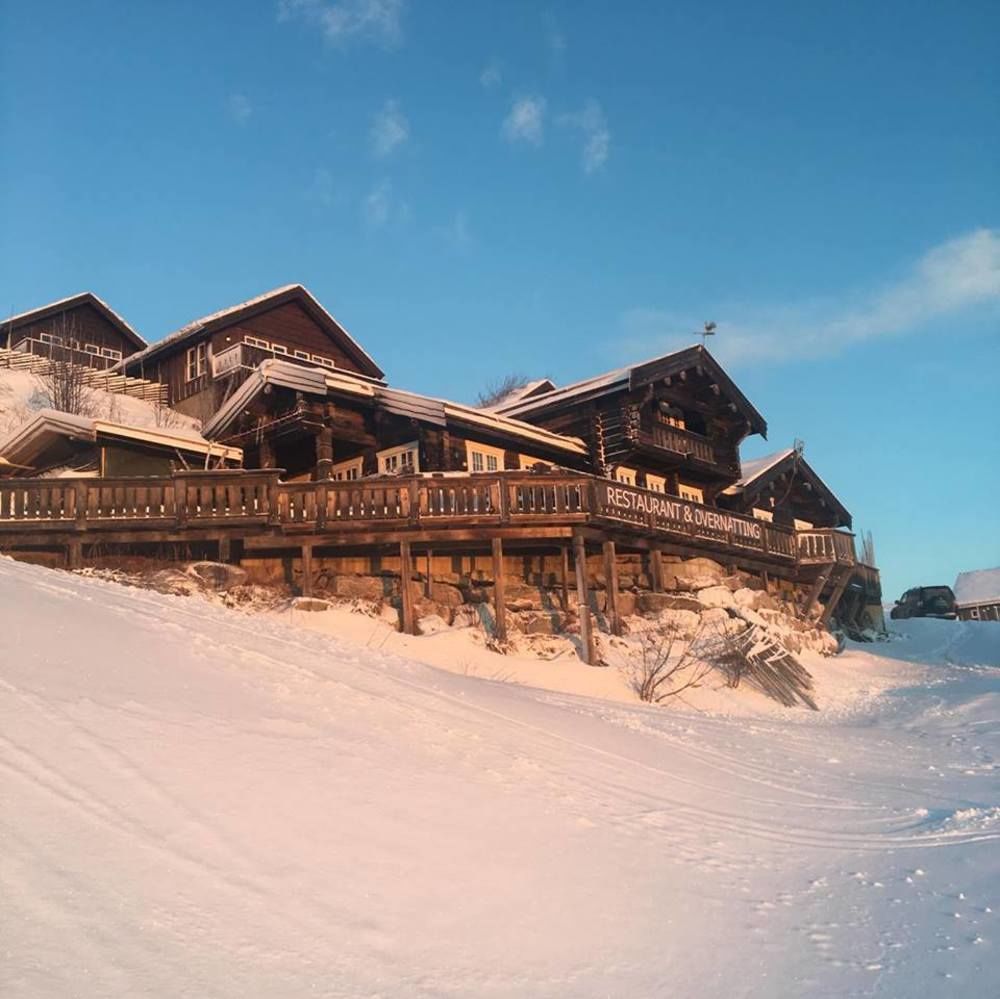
{"points": [[785, 488], [203, 363], [81, 329], [673, 424]]}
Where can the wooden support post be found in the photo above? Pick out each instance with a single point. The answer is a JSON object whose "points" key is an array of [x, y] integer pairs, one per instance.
{"points": [[817, 589], [564, 568], [307, 570], [656, 569], [838, 592], [586, 626], [499, 602], [324, 453], [611, 585], [428, 581], [74, 555], [224, 551], [406, 588]]}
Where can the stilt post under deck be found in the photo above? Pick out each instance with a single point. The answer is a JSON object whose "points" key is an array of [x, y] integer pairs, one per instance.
{"points": [[656, 569], [499, 601], [225, 555], [428, 580], [586, 625], [307, 570], [611, 584], [406, 588], [564, 569]]}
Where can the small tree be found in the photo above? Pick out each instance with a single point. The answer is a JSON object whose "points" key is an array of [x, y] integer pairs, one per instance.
{"points": [[66, 383], [498, 389]]}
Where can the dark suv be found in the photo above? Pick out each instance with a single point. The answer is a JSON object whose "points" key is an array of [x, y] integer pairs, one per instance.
{"points": [[925, 601]]}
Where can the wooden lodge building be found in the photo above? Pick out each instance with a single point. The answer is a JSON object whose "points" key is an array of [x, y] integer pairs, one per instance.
{"points": [[81, 329], [641, 463]]}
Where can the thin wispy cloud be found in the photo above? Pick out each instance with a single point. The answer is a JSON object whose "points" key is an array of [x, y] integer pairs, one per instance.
{"points": [[491, 76], [593, 126], [239, 107], [389, 130], [555, 39], [952, 279], [382, 207], [342, 21], [457, 232], [525, 122]]}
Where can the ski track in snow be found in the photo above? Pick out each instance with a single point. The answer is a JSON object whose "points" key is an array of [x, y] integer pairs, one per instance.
{"points": [[202, 802]]}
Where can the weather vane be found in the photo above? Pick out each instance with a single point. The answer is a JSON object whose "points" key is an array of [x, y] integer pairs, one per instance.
{"points": [[707, 331]]}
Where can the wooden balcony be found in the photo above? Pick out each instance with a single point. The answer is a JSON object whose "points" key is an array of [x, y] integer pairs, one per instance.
{"points": [[245, 357], [257, 504], [685, 446]]}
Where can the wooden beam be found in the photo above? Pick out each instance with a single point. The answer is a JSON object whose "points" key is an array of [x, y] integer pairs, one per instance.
{"points": [[817, 589], [838, 592], [428, 582], [74, 555], [224, 550], [656, 569], [499, 602], [406, 588], [307, 570], [611, 584], [564, 574], [583, 605]]}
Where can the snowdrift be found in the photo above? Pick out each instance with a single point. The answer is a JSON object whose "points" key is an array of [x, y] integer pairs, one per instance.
{"points": [[200, 802]]}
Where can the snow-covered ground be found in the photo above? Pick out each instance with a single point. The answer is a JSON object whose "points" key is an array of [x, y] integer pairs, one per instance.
{"points": [[199, 802]]}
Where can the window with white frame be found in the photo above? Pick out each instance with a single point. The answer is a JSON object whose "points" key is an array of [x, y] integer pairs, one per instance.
{"points": [[405, 458], [303, 354], [114, 354], [324, 361], [657, 483], [197, 361], [690, 493], [279, 348], [252, 341], [625, 475], [347, 471], [91, 348], [483, 458]]}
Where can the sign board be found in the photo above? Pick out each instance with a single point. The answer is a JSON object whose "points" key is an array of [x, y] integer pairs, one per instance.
{"points": [[642, 506]]}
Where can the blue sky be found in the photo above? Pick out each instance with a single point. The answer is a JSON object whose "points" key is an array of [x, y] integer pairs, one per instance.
{"points": [[557, 189]]}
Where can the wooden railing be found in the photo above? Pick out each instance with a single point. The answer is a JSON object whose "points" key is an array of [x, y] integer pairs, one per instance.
{"points": [[682, 442], [826, 546], [240, 498]]}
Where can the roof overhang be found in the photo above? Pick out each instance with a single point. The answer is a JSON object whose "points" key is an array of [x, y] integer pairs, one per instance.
{"points": [[74, 301]]}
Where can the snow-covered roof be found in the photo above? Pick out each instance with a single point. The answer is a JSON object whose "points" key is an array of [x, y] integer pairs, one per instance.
{"points": [[197, 325], [628, 377], [62, 304], [25, 442], [428, 409], [979, 586], [754, 468]]}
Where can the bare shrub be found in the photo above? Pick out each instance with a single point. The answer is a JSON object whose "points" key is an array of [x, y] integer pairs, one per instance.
{"points": [[669, 664], [498, 389], [164, 416], [65, 385]]}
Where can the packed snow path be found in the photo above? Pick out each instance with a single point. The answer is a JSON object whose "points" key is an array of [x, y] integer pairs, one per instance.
{"points": [[197, 802]]}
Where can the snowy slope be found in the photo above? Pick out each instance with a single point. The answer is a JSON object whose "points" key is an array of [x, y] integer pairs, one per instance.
{"points": [[196, 802]]}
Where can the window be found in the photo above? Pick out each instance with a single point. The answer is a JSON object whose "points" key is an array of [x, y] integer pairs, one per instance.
{"points": [[656, 482], [482, 458], [303, 354], [278, 348], [625, 475], [323, 361], [671, 416], [690, 493], [108, 352], [347, 471], [404, 458], [253, 341], [197, 361], [91, 348]]}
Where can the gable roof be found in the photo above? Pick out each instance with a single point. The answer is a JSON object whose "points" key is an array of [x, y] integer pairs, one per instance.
{"points": [[23, 444], [74, 301], [252, 307], [633, 376], [526, 391], [980, 586], [425, 408], [758, 473]]}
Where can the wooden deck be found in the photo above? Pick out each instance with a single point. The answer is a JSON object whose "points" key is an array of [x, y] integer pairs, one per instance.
{"points": [[258, 505]]}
